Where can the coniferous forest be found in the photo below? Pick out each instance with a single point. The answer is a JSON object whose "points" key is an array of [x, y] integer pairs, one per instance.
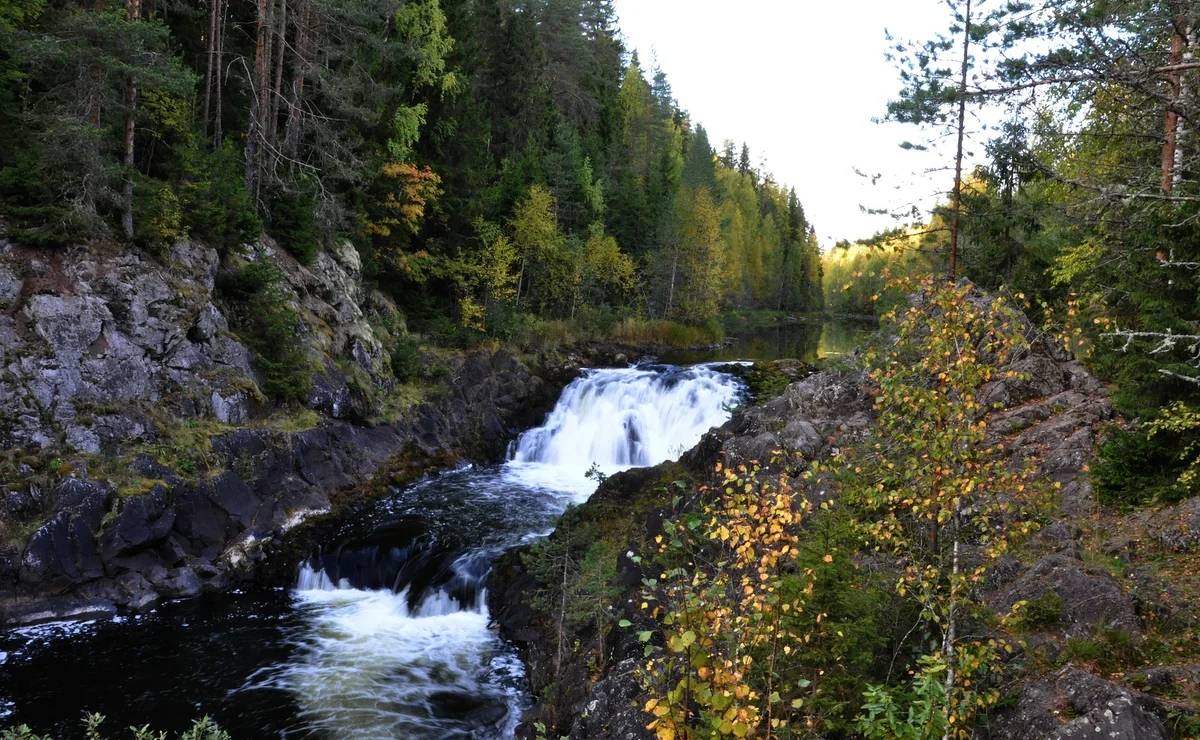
{"points": [[363, 375], [492, 161]]}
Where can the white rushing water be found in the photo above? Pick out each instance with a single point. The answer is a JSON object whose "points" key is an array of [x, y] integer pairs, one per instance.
{"points": [[396, 663]]}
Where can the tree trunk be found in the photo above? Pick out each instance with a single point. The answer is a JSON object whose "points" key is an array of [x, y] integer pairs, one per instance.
{"points": [[97, 79], [671, 288], [211, 50], [1186, 91], [783, 273], [1172, 154], [257, 119], [277, 87], [219, 81], [951, 623], [958, 157], [133, 12], [300, 52]]}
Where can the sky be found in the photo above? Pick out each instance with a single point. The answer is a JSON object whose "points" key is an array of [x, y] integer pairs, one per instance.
{"points": [[800, 81]]}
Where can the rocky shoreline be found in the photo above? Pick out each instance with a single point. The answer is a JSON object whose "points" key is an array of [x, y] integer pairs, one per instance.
{"points": [[142, 463], [102, 552], [1052, 415]]}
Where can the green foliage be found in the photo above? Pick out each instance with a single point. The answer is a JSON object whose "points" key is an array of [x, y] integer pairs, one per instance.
{"points": [[1044, 611], [216, 205], [914, 713], [258, 312], [293, 224], [406, 359], [1135, 469], [16, 13], [578, 566], [157, 215], [1082, 650], [201, 729]]}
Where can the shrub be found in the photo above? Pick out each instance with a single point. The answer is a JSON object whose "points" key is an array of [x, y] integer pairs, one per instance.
{"points": [[216, 204], [406, 359], [260, 316], [1044, 611], [1134, 469], [293, 223], [1082, 649], [157, 215]]}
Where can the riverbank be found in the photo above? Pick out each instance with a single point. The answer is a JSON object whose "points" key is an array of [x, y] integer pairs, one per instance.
{"points": [[1112, 607], [383, 631]]}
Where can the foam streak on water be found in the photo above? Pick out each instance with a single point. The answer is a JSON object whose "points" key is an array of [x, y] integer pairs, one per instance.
{"points": [[418, 660]]}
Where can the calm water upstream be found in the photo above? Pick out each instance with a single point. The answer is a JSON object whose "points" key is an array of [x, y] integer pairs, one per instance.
{"points": [[385, 633]]}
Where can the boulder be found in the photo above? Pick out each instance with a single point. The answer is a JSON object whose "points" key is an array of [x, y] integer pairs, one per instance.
{"points": [[1177, 527], [141, 521], [1075, 705], [1091, 598]]}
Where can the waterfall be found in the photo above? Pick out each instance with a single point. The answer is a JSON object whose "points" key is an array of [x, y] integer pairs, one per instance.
{"points": [[395, 642], [614, 419], [634, 417]]}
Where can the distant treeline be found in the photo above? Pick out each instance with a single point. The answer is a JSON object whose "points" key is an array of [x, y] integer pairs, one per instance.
{"points": [[492, 161]]}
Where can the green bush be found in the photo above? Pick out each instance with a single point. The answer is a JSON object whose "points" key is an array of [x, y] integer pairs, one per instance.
{"points": [[1044, 611], [216, 204], [1082, 649], [1133, 470], [260, 316], [293, 223], [406, 359], [157, 215], [29, 199]]}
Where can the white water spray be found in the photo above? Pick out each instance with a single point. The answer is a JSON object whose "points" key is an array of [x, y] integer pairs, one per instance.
{"points": [[382, 664]]}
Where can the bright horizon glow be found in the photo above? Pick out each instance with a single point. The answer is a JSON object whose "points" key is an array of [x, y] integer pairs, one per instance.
{"points": [[799, 82]]}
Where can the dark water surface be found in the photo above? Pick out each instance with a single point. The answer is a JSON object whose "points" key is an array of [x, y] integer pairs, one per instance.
{"points": [[803, 339], [385, 633]]}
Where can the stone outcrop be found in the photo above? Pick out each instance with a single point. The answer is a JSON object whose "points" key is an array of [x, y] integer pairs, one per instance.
{"points": [[188, 535], [1049, 413], [101, 347], [1073, 705]]}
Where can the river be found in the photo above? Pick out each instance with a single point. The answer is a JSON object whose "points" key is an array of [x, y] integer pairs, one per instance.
{"points": [[385, 633]]}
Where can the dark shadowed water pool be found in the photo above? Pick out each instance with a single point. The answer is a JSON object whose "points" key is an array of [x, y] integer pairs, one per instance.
{"points": [[385, 633]]}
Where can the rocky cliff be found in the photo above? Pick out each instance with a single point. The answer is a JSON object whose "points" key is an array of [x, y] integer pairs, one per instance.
{"points": [[1107, 663], [142, 459]]}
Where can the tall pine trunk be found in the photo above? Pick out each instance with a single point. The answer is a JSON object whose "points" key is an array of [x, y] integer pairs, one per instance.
{"points": [[219, 80], [133, 12], [210, 53], [277, 87], [958, 156], [1174, 86], [258, 101], [300, 55]]}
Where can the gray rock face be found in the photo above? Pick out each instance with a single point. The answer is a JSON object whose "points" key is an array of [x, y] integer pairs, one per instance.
{"points": [[1090, 598], [185, 536], [63, 551], [1076, 705], [794, 428], [1176, 527], [119, 331], [127, 332]]}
